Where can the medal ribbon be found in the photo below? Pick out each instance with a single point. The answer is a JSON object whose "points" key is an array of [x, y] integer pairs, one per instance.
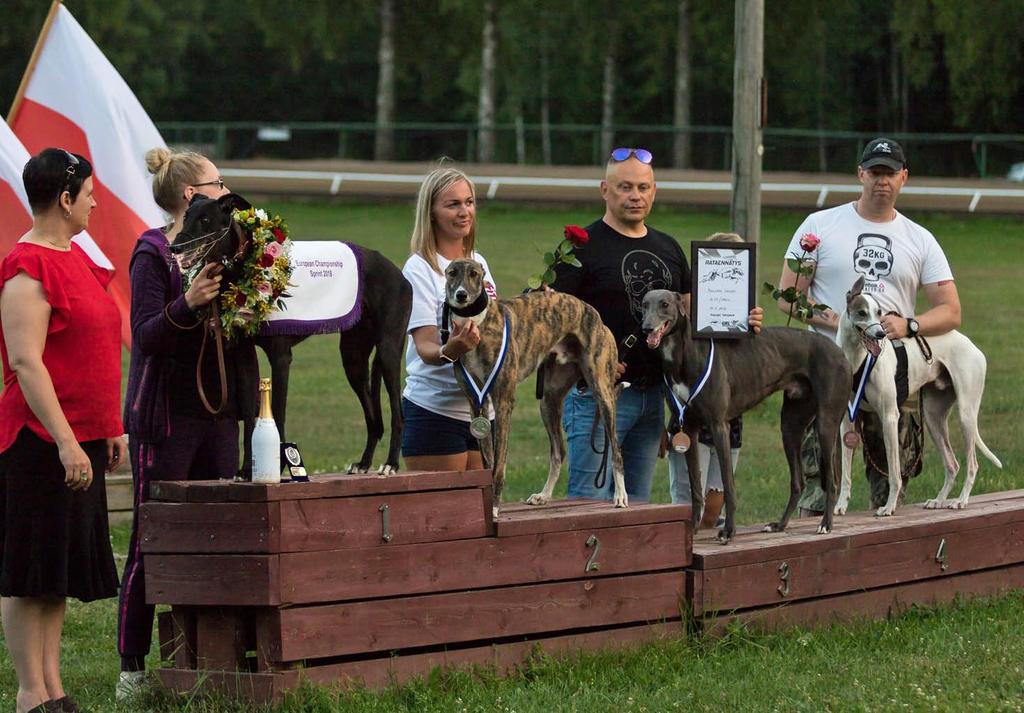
{"points": [[854, 406], [481, 393], [680, 407]]}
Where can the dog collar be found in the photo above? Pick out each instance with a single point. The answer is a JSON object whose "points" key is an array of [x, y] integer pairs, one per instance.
{"points": [[474, 308]]}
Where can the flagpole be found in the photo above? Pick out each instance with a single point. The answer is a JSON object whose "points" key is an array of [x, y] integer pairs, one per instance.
{"points": [[50, 17]]}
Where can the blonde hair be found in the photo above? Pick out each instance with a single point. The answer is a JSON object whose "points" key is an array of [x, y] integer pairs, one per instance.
{"points": [[172, 171], [726, 237], [424, 241]]}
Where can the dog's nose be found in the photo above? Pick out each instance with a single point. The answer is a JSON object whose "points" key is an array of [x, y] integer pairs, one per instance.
{"points": [[461, 295]]}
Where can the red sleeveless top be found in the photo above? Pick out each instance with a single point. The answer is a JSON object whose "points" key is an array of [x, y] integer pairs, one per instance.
{"points": [[83, 345]]}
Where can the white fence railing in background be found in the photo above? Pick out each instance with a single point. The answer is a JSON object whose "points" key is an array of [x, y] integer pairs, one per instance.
{"points": [[335, 179]]}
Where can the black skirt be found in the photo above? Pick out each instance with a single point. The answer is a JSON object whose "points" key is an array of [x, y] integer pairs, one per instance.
{"points": [[54, 541]]}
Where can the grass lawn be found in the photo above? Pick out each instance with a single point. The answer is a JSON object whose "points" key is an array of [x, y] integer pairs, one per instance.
{"points": [[964, 655]]}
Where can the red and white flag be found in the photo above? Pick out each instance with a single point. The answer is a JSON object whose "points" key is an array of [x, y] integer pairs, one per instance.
{"points": [[17, 215], [74, 99]]}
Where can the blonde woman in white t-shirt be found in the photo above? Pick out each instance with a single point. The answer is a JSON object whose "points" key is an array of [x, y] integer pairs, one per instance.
{"points": [[435, 411]]}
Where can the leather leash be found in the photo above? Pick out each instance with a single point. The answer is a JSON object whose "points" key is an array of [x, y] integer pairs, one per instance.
{"points": [[218, 336]]}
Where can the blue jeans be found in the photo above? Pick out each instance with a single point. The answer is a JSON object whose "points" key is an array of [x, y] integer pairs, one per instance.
{"points": [[639, 420]]}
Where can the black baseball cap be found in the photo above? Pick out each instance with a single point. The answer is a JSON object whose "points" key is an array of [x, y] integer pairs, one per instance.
{"points": [[883, 152]]}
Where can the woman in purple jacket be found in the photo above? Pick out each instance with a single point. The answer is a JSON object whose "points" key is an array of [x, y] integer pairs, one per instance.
{"points": [[171, 434]]}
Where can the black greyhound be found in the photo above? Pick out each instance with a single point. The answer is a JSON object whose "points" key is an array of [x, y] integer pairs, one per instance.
{"points": [[208, 230], [808, 368]]}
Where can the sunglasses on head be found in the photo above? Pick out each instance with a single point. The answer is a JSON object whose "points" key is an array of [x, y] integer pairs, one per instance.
{"points": [[69, 170], [642, 155]]}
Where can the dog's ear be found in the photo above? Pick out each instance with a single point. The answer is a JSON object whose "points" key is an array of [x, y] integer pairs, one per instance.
{"points": [[232, 201], [681, 307], [857, 288]]}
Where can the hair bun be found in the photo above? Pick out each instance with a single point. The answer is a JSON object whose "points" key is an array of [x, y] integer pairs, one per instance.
{"points": [[157, 158]]}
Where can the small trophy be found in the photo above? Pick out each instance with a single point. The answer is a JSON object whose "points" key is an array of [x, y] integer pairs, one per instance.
{"points": [[291, 459]]}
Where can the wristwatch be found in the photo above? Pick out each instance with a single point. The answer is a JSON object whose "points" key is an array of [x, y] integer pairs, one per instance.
{"points": [[445, 357], [912, 327]]}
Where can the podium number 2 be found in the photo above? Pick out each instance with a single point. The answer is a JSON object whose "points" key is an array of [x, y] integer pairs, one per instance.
{"points": [[592, 564]]}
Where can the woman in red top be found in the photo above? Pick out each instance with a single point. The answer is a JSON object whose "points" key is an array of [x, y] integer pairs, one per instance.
{"points": [[59, 426]]}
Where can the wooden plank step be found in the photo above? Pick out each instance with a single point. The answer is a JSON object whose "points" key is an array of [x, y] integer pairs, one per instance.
{"points": [[877, 603], [377, 673], [752, 545], [393, 624], [330, 485], [578, 514], [341, 575], [819, 574], [323, 524]]}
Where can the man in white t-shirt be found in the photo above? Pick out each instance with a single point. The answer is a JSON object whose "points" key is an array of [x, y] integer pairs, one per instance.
{"points": [[896, 257]]}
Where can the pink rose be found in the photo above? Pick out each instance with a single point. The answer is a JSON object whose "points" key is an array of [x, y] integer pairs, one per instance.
{"points": [[272, 249], [809, 242], [264, 288]]}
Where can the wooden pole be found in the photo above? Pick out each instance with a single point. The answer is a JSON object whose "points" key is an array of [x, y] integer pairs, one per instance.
{"points": [[19, 95], [748, 120]]}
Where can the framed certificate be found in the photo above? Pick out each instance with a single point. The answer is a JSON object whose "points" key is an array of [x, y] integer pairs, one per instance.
{"points": [[722, 288]]}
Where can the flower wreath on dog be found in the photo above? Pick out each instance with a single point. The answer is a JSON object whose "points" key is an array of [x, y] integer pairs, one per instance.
{"points": [[262, 275]]}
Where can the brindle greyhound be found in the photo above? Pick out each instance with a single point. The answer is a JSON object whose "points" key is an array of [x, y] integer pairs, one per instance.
{"points": [[557, 330], [808, 368], [209, 231]]}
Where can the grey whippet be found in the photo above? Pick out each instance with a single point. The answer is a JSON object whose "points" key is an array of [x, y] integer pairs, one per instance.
{"points": [[557, 330], [954, 373], [808, 368]]}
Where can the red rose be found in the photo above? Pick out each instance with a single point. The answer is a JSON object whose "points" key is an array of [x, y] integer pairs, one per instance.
{"points": [[240, 299], [809, 242], [266, 260], [279, 235], [576, 235]]}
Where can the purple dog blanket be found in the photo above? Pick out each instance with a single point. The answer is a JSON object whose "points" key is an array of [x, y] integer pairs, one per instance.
{"points": [[326, 290]]}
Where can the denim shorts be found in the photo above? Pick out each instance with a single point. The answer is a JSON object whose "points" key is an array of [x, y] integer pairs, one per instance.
{"points": [[425, 433]]}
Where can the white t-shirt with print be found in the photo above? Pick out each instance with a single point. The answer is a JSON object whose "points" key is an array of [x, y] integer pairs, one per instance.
{"points": [[434, 387], [895, 258]]}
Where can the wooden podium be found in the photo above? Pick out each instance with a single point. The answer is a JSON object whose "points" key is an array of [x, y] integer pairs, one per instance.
{"points": [[378, 579]]}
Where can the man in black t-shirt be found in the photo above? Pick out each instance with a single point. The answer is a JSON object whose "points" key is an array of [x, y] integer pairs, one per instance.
{"points": [[623, 260]]}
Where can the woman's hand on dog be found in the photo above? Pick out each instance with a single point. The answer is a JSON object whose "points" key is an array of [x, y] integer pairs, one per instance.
{"points": [[205, 287], [464, 338]]}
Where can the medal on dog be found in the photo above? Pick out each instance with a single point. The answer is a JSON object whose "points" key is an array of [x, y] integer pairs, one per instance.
{"points": [[851, 439], [680, 442], [480, 427]]}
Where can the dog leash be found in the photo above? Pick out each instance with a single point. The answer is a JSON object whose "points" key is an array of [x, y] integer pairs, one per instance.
{"points": [[701, 382], [218, 337]]}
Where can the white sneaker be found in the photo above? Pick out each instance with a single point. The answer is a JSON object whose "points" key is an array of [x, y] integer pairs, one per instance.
{"points": [[129, 685]]}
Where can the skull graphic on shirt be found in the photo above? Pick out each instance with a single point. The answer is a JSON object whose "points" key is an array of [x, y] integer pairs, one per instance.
{"points": [[873, 256], [643, 271]]}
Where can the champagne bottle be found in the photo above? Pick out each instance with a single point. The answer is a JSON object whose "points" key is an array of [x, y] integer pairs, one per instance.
{"points": [[266, 442]]}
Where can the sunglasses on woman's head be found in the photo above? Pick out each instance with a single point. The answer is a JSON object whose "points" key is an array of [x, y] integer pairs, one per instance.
{"points": [[70, 170], [642, 155]]}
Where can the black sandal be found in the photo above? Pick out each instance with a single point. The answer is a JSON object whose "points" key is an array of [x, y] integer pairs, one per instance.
{"points": [[63, 705]]}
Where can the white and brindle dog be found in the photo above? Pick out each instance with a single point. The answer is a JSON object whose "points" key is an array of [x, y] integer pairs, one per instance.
{"points": [[552, 329], [955, 373]]}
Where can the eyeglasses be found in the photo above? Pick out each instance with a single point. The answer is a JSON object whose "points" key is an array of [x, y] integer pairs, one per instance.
{"points": [[219, 183], [642, 155]]}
